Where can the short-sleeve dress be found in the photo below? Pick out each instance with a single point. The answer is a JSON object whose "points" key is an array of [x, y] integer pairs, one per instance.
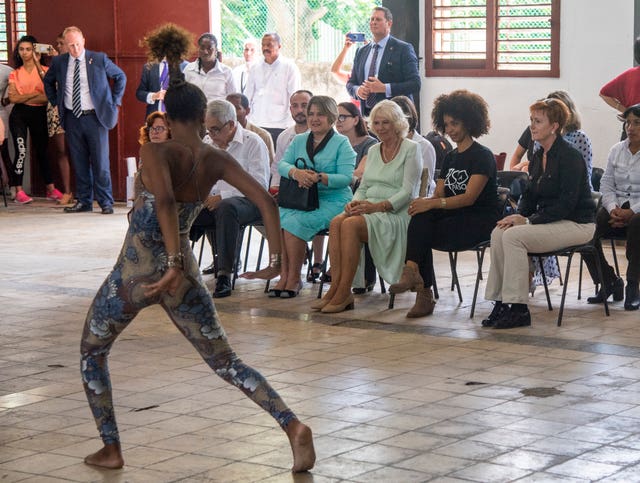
{"points": [[337, 160], [399, 182]]}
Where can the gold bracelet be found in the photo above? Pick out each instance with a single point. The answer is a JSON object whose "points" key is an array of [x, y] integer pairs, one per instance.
{"points": [[175, 260], [443, 203], [275, 260]]}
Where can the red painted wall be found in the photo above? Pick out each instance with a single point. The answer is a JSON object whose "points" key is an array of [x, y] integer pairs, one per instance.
{"points": [[116, 27]]}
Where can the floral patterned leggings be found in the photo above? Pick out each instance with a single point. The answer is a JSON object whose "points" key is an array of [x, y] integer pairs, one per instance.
{"points": [[192, 311]]}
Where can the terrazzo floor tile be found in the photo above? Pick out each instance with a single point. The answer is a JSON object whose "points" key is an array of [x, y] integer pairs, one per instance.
{"points": [[436, 399]]}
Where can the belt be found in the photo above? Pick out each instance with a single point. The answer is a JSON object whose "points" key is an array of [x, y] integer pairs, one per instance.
{"points": [[84, 113]]}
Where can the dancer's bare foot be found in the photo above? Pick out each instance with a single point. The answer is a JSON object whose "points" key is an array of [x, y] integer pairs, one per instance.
{"points": [[301, 439], [110, 456]]}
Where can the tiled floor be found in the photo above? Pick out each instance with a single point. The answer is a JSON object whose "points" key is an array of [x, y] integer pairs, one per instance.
{"points": [[389, 399]]}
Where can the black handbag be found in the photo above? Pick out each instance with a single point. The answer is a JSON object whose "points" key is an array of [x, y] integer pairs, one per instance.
{"points": [[291, 195]]}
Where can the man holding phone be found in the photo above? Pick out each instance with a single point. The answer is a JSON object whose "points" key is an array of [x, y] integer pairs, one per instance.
{"points": [[384, 68]]}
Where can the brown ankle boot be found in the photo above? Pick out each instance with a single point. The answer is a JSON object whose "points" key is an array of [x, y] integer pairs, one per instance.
{"points": [[409, 280], [424, 303]]}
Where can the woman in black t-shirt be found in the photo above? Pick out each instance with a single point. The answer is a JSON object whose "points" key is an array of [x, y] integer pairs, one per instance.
{"points": [[465, 206]]}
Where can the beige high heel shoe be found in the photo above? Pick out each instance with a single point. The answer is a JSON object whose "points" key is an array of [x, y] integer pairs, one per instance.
{"points": [[320, 303], [334, 309]]}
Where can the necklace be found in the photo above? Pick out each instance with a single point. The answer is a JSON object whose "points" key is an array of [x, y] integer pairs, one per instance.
{"points": [[386, 157]]}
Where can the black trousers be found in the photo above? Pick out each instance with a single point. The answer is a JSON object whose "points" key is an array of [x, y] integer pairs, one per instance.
{"points": [[632, 234], [31, 119], [450, 230], [225, 221]]}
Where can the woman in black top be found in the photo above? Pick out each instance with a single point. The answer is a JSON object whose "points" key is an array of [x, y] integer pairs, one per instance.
{"points": [[555, 211], [464, 207]]}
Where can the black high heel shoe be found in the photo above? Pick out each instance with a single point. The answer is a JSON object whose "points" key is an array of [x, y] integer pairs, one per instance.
{"points": [[314, 274], [274, 293], [289, 294], [363, 290]]}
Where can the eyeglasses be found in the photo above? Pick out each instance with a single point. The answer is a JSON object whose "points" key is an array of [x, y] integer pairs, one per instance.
{"points": [[214, 130], [344, 117], [157, 129]]}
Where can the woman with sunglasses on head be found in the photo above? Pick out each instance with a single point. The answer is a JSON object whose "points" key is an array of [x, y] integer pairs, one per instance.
{"points": [[156, 265]]}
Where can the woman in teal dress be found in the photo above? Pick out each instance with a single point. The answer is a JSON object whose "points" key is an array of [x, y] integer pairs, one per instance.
{"points": [[333, 161], [377, 215]]}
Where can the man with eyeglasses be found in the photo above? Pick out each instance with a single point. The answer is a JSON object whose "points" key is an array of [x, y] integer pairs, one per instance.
{"points": [[226, 209]]}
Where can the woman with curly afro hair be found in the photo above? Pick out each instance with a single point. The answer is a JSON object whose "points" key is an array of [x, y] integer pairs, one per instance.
{"points": [[465, 206], [157, 266]]}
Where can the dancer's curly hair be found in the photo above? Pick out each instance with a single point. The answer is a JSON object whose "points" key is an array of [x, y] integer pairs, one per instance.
{"points": [[170, 41], [183, 101]]}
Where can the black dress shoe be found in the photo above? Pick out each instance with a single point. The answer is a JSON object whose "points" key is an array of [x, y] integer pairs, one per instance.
{"points": [[616, 288], [362, 290], [498, 309], [78, 207], [510, 319], [107, 210], [632, 297], [315, 272], [210, 270], [223, 287]]}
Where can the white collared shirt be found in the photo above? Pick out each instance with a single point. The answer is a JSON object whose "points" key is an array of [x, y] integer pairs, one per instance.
{"points": [[251, 152], [282, 143], [216, 84], [621, 179], [85, 94], [269, 89], [367, 63]]}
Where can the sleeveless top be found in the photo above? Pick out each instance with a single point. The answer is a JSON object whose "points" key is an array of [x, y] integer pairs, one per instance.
{"points": [[143, 219]]}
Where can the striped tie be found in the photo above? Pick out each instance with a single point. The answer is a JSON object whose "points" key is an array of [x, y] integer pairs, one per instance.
{"points": [[76, 104], [372, 99]]}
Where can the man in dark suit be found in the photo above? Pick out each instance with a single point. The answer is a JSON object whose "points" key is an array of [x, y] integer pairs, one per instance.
{"points": [[78, 83], [384, 68], [153, 85]]}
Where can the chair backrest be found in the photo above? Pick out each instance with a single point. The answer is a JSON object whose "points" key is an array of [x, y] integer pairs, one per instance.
{"points": [[516, 181], [500, 160], [424, 183], [440, 144], [596, 176]]}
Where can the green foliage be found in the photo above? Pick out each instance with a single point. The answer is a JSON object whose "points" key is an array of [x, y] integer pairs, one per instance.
{"points": [[241, 20], [346, 15]]}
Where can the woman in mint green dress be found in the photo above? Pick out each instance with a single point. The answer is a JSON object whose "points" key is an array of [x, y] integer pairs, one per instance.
{"points": [[377, 215]]}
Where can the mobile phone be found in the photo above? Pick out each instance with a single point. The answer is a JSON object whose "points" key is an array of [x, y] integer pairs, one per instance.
{"points": [[42, 48], [356, 36]]}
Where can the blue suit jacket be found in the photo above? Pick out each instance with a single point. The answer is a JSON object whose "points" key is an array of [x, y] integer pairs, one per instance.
{"points": [[100, 69], [150, 82], [398, 67]]}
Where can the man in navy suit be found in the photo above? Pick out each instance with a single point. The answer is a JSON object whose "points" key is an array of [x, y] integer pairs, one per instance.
{"points": [[78, 83], [384, 68], [153, 85]]}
